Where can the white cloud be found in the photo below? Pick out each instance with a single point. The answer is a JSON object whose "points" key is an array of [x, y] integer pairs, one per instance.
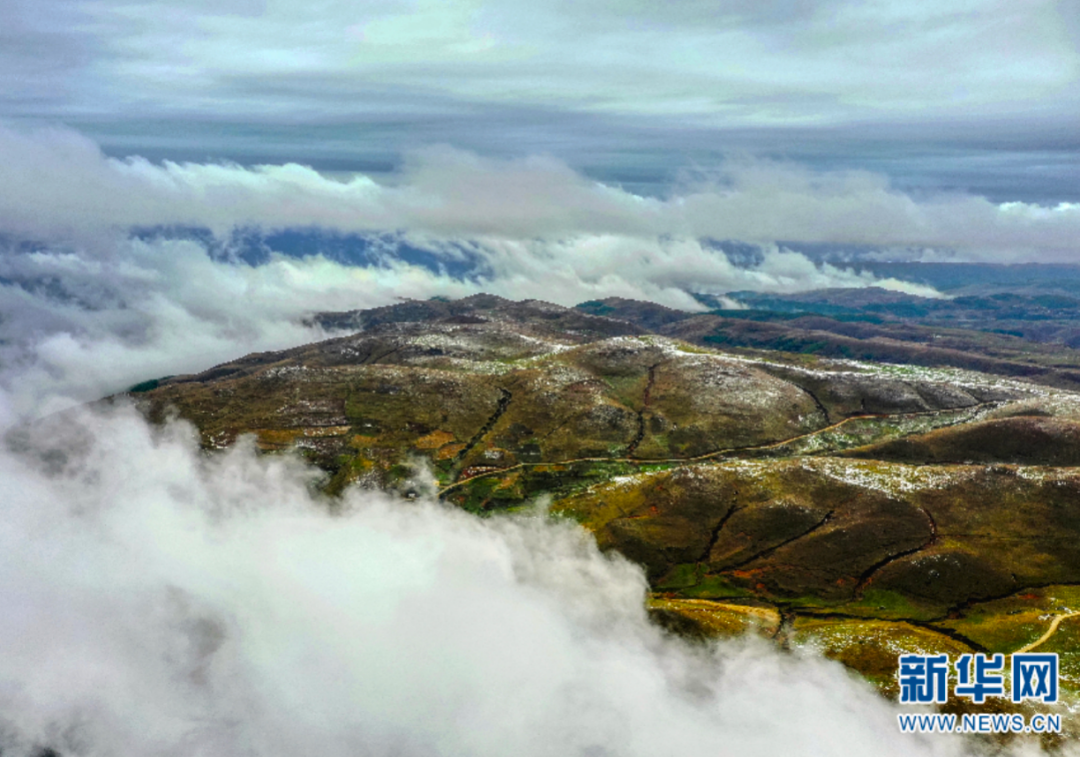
{"points": [[158, 602], [92, 311], [82, 323], [57, 183]]}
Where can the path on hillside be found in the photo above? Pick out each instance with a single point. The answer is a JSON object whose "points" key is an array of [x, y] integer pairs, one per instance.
{"points": [[1049, 632], [717, 453]]}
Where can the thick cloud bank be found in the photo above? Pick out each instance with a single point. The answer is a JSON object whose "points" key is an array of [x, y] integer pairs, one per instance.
{"points": [[87, 309], [158, 602], [81, 321], [59, 183]]}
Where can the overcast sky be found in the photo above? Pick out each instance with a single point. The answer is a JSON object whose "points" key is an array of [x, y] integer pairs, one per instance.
{"points": [[972, 95]]}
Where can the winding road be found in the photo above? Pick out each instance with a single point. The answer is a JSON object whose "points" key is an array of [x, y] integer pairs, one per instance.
{"points": [[1049, 632], [445, 489]]}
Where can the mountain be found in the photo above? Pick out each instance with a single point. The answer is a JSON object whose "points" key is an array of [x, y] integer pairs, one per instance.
{"points": [[1010, 336], [858, 507]]}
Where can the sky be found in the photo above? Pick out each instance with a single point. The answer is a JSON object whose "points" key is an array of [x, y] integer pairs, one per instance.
{"points": [[976, 96]]}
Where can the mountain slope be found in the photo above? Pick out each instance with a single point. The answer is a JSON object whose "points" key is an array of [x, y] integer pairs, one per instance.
{"points": [[889, 505]]}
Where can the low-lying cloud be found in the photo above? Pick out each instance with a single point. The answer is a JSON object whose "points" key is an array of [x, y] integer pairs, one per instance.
{"points": [[78, 322], [88, 308], [58, 184], [159, 602]]}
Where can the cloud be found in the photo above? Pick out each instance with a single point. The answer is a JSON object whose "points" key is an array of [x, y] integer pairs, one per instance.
{"points": [[57, 184], [746, 63], [975, 94], [159, 602], [86, 309], [78, 323]]}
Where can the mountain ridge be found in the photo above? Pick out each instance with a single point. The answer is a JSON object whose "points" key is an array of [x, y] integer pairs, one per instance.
{"points": [[922, 505]]}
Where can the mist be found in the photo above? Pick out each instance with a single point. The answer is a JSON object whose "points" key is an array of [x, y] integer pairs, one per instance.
{"points": [[161, 602], [89, 307], [57, 184]]}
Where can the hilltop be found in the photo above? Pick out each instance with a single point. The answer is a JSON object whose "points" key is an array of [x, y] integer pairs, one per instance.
{"points": [[861, 507]]}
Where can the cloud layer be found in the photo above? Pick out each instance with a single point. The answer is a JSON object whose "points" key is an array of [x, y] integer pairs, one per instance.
{"points": [[87, 309], [976, 95], [757, 63], [59, 184], [161, 603]]}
